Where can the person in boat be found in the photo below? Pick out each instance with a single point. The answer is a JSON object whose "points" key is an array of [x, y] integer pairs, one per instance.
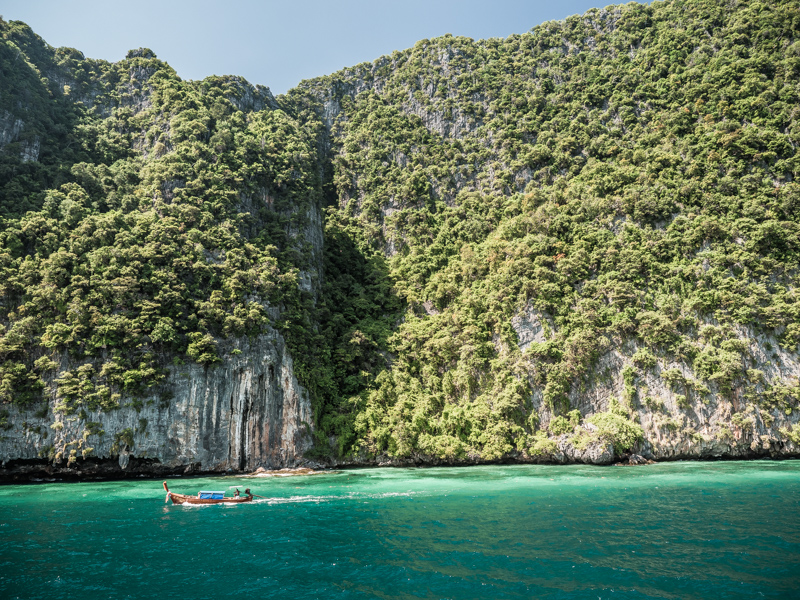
{"points": [[247, 491], [236, 493]]}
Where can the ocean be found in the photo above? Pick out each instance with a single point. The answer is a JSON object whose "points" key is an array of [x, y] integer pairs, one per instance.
{"points": [[682, 530]]}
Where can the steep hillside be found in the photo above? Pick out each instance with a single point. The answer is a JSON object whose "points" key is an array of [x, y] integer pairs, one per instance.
{"points": [[570, 244], [599, 215], [176, 223]]}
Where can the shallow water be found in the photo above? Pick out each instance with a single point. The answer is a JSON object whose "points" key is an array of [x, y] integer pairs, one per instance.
{"points": [[677, 530]]}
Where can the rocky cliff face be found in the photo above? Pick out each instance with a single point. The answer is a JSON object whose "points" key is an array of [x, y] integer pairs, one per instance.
{"points": [[241, 412], [504, 168], [245, 413], [11, 130], [682, 418]]}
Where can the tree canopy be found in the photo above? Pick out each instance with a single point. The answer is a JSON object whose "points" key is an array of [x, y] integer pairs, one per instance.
{"points": [[623, 181]]}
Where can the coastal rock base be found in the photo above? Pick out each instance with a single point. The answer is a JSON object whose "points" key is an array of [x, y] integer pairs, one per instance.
{"points": [[247, 412], [38, 470]]}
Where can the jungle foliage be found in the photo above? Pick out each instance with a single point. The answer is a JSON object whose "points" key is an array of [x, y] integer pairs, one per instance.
{"points": [[163, 227], [625, 178]]}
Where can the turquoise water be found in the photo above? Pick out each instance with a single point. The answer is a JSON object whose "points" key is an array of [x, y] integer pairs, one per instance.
{"points": [[679, 530]]}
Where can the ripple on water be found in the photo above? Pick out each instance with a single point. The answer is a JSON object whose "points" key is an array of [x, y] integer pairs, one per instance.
{"points": [[679, 530]]}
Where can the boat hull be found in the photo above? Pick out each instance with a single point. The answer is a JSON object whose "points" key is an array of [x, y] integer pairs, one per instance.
{"points": [[184, 499]]}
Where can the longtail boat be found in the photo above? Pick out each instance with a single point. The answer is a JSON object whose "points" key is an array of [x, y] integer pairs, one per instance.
{"points": [[207, 497]]}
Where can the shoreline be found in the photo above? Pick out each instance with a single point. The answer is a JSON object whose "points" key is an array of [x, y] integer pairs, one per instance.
{"points": [[35, 471]]}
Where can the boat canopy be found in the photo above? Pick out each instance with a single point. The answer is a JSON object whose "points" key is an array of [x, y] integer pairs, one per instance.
{"points": [[206, 495]]}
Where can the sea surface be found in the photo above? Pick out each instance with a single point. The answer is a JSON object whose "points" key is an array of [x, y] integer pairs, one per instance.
{"points": [[677, 530]]}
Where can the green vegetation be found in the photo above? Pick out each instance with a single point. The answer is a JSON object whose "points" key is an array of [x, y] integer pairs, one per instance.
{"points": [[628, 174], [616, 429], [143, 254], [627, 178]]}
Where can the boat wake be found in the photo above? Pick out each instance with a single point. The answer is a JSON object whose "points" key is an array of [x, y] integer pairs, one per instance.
{"points": [[261, 472], [332, 498]]}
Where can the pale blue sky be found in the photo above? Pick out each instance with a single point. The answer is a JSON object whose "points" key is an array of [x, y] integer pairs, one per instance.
{"points": [[274, 43]]}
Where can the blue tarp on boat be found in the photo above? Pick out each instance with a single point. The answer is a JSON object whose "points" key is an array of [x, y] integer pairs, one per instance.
{"points": [[212, 495]]}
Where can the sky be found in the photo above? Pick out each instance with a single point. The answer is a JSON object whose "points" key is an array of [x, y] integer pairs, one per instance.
{"points": [[274, 43]]}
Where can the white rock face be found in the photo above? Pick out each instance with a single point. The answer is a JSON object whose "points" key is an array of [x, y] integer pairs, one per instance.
{"points": [[10, 128], [247, 412], [529, 326], [30, 150], [596, 453], [678, 420]]}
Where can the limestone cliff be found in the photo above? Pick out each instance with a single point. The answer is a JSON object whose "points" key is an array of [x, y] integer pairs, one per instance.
{"points": [[568, 245], [245, 179], [245, 413], [681, 417]]}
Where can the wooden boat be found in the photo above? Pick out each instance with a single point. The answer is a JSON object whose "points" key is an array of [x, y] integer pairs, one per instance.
{"points": [[206, 497]]}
